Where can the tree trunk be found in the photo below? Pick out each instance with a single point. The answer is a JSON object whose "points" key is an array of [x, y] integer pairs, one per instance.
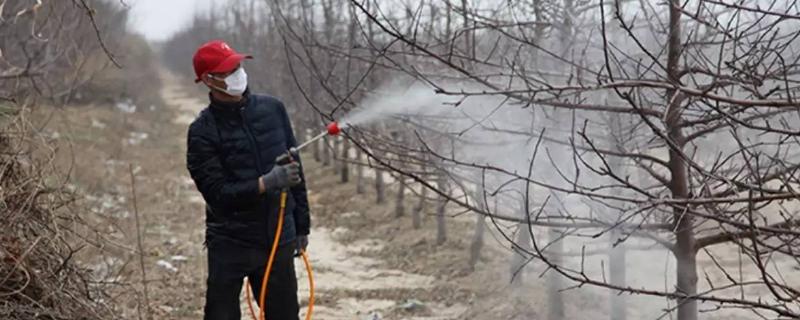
{"points": [[317, 151], [326, 152], [399, 209], [685, 246], [687, 275], [336, 151], [380, 186], [441, 226], [685, 252], [416, 214], [464, 14], [477, 241], [344, 171], [480, 225], [351, 38], [360, 188]]}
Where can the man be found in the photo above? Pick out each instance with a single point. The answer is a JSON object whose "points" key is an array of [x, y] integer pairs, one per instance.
{"points": [[233, 150]]}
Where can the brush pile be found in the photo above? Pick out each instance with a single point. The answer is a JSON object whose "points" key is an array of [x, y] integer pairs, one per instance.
{"points": [[39, 278]]}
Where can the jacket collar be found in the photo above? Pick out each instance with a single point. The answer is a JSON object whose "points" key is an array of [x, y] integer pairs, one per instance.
{"points": [[227, 107]]}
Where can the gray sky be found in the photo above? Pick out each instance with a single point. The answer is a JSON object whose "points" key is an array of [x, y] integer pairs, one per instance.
{"points": [[159, 19]]}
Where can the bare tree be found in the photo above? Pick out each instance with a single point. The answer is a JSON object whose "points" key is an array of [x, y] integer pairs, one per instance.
{"points": [[419, 209], [441, 208], [344, 170], [360, 180], [380, 186], [399, 206], [476, 245]]}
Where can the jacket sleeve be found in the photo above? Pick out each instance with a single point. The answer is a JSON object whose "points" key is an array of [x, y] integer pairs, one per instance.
{"points": [[302, 216], [205, 167]]}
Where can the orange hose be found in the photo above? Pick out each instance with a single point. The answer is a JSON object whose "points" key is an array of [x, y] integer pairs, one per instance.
{"points": [[268, 270], [272, 253], [310, 284]]}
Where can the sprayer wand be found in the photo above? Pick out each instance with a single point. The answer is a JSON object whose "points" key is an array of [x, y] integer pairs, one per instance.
{"points": [[332, 130]]}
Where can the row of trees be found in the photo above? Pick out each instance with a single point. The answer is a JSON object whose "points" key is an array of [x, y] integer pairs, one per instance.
{"points": [[576, 128]]}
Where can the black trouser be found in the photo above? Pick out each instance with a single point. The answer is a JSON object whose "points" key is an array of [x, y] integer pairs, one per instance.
{"points": [[228, 264]]}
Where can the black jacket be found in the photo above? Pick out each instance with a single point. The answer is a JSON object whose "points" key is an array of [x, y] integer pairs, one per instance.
{"points": [[230, 145]]}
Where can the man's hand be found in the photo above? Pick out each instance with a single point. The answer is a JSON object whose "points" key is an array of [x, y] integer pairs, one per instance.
{"points": [[302, 243], [282, 176], [285, 158]]}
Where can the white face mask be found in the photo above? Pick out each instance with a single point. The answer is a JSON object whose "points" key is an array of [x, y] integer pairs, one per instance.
{"points": [[236, 83]]}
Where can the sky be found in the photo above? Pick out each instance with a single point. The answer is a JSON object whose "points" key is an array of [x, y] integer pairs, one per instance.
{"points": [[159, 19]]}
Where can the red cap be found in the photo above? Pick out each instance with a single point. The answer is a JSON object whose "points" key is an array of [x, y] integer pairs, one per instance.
{"points": [[214, 57]]}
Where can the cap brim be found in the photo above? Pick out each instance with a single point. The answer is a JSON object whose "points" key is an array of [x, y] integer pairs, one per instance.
{"points": [[228, 64]]}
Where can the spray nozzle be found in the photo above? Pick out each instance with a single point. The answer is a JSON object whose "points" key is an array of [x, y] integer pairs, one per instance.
{"points": [[333, 128]]}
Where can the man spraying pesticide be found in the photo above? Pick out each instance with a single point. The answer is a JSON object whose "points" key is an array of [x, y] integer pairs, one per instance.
{"points": [[257, 213]]}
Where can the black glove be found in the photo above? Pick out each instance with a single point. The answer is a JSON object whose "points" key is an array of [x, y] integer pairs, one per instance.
{"points": [[302, 243], [282, 176], [287, 157]]}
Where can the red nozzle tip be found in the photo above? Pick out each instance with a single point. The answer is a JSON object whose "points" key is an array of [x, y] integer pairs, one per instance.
{"points": [[333, 128]]}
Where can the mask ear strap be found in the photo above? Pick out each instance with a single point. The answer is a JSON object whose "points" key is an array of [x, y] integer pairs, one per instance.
{"points": [[218, 89], [213, 86]]}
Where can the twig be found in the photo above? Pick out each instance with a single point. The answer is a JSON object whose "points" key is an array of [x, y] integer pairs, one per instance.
{"points": [[139, 244], [90, 12]]}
